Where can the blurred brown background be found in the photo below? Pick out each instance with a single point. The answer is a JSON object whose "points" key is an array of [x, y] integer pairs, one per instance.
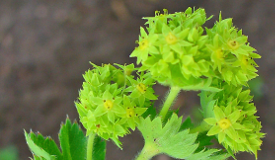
{"points": [[46, 46]]}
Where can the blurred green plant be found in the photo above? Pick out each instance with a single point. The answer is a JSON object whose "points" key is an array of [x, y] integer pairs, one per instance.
{"points": [[257, 88], [9, 153]]}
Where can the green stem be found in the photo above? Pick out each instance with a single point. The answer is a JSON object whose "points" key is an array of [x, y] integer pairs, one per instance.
{"points": [[174, 91], [90, 145], [147, 152]]}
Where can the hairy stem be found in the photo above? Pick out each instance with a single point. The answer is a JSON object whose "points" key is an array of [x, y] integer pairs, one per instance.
{"points": [[90, 145], [147, 152], [174, 91]]}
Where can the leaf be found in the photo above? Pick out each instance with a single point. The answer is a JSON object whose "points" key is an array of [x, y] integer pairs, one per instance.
{"points": [[204, 141], [173, 140], [221, 156], [151, 112], [186, 124], [212, 154], [37, 150], [72, 141], [37, 158], [169, 114], [47, 143], [99, 148], [168, 139], [207, 104]]}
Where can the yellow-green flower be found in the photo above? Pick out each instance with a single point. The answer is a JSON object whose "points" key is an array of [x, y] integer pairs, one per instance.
{"points": [[106, 108], [231, 55], [141, 89], [225, 124], [131, 113], [146, 46]]}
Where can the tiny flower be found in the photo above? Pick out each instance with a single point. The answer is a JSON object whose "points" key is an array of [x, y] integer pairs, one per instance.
{"points": [[145, 47], [224, 124], [109, 105], [141, 89], [174, 39], [132, 113]]}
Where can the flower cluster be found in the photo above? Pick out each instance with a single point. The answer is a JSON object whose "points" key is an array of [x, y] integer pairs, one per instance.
{"points": [[234, 122], [112, 101], [178, 51], [231, 55]]}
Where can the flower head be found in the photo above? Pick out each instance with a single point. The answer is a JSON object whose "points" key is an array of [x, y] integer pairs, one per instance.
{"points": [[234, 121], [104, 105], [224, 125], [178, 51], [231, 54], [175, 55]]}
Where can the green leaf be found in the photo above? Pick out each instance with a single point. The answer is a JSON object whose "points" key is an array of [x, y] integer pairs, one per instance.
{"points": [[186, 124], [204, 141], [202, 155], [168, 139], [151, 112], [207, 104], [47, 143], [37, 158], [72, 141], [212, 154], [37, 150], [99, 149], [169, 114]]}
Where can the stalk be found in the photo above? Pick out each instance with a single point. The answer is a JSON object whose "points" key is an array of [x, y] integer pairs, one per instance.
{"points": [[90, 146], [174, 91]]}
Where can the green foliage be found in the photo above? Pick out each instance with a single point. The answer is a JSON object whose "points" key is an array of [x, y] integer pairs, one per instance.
{"points": [[9, 153], [150, 112], [256, 85], [186, 124], [168, 139], [72, 143], [99, 148], [38, 151]]}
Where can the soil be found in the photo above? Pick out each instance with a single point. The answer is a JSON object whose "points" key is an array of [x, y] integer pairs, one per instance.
{"points": [[46, 46]]}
